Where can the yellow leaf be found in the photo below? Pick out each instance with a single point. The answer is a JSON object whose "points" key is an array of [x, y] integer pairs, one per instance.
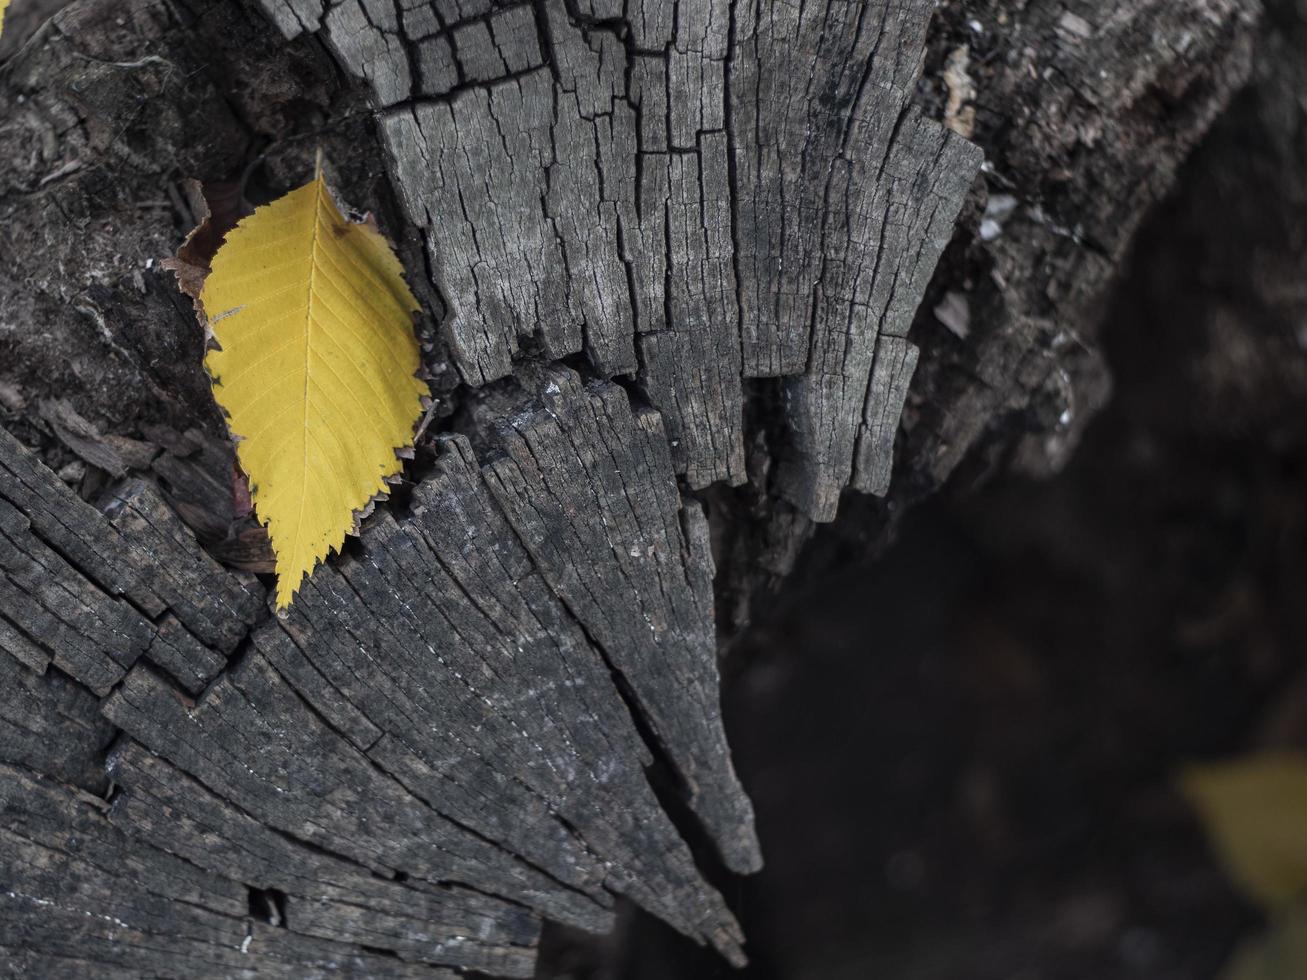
{"points": [[315, 368], [3, 5], [1279, 954], [1255, 812]]}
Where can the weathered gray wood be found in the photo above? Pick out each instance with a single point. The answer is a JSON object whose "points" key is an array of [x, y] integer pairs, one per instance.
{"points": [[52, 725], [52, 607], [889, 213], [613, 194], [541, 736], [252, 740], [326, 896], [545, 214], [891, 374], [157, 567], [72, 526], [185, 658], [502, 271], [589, 487], [816, 89], [489, 701], [95, 618], [217, 605], [81, 898], [691, 360]]}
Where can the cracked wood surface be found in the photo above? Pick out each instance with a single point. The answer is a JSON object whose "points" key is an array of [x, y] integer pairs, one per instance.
{"points": [[82, 898], [433, 713], [688, 193], [722, 217], [636, 572]]}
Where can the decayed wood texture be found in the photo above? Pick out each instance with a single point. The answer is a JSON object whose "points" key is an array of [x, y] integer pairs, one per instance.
{"points": [[573, 176], [430, 711], [677, 249]]}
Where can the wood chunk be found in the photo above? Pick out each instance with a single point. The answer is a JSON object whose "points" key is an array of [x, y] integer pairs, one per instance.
{"points": [[48, 606], [888, 221], [891, 374], [74, 886], [65, 562], [477, 55], [81, 436], [22, 647], [511, 184], [437, 68], [588, 486], [592, 183], [832, 79], [185, 658], [253, 741], [440, 739], [73, 527], [50, 612], [683, 256], [53, 726], [519, 185], [489, 702], [216, 605], [534, 654], [367, 38], [513, 32], [40, 812], [328, 897], [559, 218], [295, 17], [79, 892], [472, 174], [286, 655], [536, 643], [691, 368]]}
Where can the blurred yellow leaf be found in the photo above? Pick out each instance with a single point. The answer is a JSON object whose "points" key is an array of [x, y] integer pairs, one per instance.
{"points": [[3, 5], [1278, 954], [1255, 812], [315, 369]]}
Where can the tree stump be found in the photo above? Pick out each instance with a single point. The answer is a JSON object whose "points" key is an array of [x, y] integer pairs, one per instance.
{"points": [[670, 256]]}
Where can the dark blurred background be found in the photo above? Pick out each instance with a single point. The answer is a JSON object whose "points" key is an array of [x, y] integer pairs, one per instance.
{"points": [[963, 754]]}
